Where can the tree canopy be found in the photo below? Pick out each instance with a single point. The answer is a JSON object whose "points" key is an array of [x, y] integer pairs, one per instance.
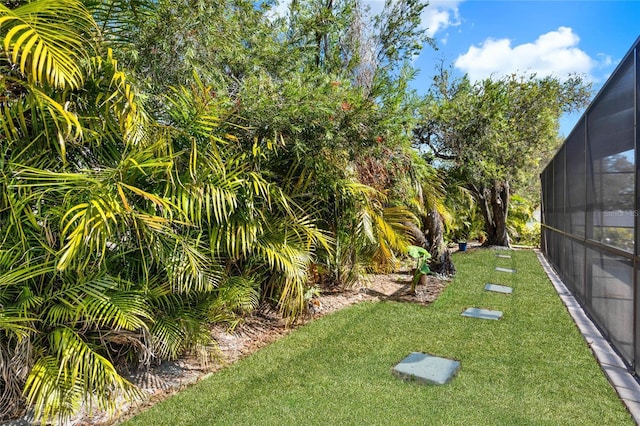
{"points": [[170, 164], [496, 132]]}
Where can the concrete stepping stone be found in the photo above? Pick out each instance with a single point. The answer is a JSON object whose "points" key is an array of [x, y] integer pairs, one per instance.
{"points": [[503, 256], [482, 313], [426, 369], [509, 270], [498, 288]]}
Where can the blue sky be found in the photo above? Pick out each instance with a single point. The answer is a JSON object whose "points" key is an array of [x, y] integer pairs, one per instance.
{"points": [[483, 38]]}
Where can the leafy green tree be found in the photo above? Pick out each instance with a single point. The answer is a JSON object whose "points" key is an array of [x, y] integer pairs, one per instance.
{"points": [[323, 143], [349, 41], [360, 85], [399, 34], [309, 120], [496, 132], [127, 225], [48, 46], [221, 41], [120, 234]]}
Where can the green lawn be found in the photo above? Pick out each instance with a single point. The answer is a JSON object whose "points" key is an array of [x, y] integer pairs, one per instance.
{"points": [[530, 367]]}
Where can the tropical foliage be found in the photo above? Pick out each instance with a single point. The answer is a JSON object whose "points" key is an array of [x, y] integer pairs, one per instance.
{"points": [[170, 164], [495, 133], [140, 204]]}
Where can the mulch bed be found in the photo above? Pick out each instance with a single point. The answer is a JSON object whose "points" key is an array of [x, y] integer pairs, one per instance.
{"points": [[263, 327]]}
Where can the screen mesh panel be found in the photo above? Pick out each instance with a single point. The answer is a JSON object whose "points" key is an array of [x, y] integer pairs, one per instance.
{"points": [[590, 203]]}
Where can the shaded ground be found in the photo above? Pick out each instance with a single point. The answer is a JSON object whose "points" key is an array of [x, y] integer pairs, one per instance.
{"points": [[265, 327]]}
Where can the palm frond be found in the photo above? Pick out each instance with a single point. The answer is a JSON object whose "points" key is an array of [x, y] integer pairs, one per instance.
{"points": [[42, 120], [21, 273], [212, 200], [118, 97], [291, 303], [118, 20], [168, 338], [392, 225], [236, 237], [190, 269], [392, 236], [172, 335], [99, 301], [49, 40], [87, 229], [74, 373], [233, 298]]}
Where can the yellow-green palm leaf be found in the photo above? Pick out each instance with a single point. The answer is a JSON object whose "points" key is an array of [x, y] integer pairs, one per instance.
{"points": [[49, 40], [60, 382]]}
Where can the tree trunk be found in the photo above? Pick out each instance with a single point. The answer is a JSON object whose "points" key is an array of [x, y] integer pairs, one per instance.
{"points": [[494, 205], [432, 239], [416, 234], [440, 256]]}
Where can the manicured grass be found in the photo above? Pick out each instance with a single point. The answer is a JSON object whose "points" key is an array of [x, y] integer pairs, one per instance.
{"points": [[530, 367]]}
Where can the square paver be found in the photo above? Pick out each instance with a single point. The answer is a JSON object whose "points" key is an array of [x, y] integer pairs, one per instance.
{"points": [[503, 256], [498, 288], [482, 313], [427, 369], [509, 270]]}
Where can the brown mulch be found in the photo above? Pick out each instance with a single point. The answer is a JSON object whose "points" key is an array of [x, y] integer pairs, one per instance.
{"points": [[264, 327]]}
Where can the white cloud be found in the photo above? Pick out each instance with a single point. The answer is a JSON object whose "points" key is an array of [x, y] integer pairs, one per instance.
{"points": [[555, 53], [436, 17], [605, 60], [440, 15]]}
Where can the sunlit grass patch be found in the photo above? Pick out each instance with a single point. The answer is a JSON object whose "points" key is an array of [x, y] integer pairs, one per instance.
{"points": [[530, 367]]}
